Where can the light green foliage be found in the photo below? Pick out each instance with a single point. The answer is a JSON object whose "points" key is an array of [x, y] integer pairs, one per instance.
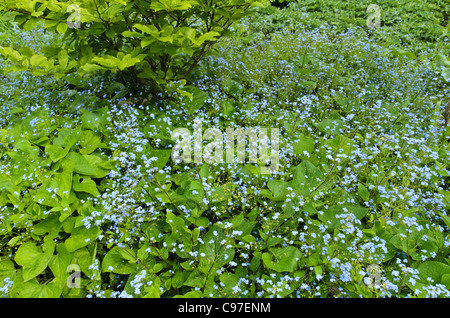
{"points": [[155, 42], [406, 22]]}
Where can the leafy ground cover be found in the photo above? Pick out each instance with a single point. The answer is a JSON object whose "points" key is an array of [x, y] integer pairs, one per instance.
{"points": [[358, 207]]}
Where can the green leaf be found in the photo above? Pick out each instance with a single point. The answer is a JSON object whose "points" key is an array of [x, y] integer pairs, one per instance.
{"points": [[363, 192], [81, 237], [146, 42], [308, 84], [209, 36], [198, 100], [80, 164], [162, 157], [37, 60], [303, 146], [228, 109], [195, 191], [50, 225], [278, 189], [129, 34], [233, 87], [29, 24], [329, 217], [195, 279], [149, 29], [87, 185], [7, 269], [32, 260], [32, 289], [62, 27], [342, 146], [212, 253], [90, 141], [178, 279], [307, 178], [222, 192], [118, 261], [177, 224], [446, 73], [82, 258], [59, 263], [56, 153], [89, 165], [437, 271], [229, 281], [283, 259], [153, 293], [94, 120], [331, 125], [89, 67], [65, 179]]}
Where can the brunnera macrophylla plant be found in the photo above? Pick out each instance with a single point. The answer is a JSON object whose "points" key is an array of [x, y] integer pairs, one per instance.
{"points": [[153, 42], [93, 206]]}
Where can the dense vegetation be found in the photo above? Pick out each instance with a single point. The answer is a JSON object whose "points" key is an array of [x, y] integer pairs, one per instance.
{"points": [[358, 207]]}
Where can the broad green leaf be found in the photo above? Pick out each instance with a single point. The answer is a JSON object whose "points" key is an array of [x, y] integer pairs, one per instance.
{"points": [[153, 293], [149, 29], [331, 126], [233, 87], [65, 179], [195, 279], [94, 120], [118, 261], [331, 216], [89, 67], [90, 141], [37, 60], [80, 164], [32, 259], [161, 155], [198, 100], [59, 264], [213, 253], [437, 271], [56, 153], [303, 146], [342, 146], [229, 280], [32, 289], [86, 185], [89, 165], [209, 36], [283, 259], [195, 191], [363, 192], [7, 269], [278, 189], [107, 61], [178, 279], [222, 192], [81, 236], [307, 178], [177, 224], [51, 225], [101, 167], [62, 27], [228, 109]]}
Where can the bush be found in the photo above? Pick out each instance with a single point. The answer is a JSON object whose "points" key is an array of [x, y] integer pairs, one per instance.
{"points": [[155, 42]]}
